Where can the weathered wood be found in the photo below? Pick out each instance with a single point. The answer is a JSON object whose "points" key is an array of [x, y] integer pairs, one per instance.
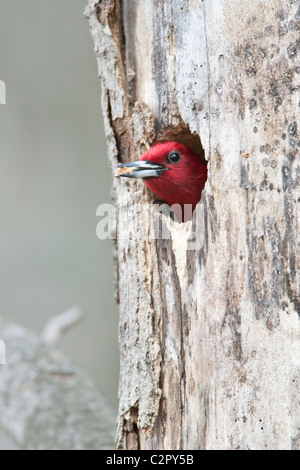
{"points": [[209, 338]]}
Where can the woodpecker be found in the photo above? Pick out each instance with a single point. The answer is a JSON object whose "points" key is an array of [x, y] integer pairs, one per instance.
{"points": [[173, 171]]}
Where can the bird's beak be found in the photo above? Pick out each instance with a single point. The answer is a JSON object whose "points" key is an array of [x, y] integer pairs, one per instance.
{"points": [[140, 169]]}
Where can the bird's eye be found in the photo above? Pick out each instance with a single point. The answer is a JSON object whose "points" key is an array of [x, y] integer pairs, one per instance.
{"points": [[174, 157]]}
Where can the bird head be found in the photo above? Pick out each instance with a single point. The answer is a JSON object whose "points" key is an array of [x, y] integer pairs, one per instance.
{"points": [[173, 171]]}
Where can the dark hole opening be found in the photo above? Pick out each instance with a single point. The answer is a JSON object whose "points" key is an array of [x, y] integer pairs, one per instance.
{"points": [[183, 135]]}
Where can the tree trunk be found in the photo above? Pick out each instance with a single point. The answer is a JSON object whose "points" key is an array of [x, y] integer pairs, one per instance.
{"points": [[209, 333]]}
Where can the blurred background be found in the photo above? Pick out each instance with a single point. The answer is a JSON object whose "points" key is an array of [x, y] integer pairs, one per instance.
{"points": [[54, 174]]}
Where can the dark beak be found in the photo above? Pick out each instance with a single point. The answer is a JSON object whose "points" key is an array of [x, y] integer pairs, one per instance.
{"points": [[140, 169]]}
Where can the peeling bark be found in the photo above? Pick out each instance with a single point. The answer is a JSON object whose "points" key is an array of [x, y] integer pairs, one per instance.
{"points": [[209, 338]]}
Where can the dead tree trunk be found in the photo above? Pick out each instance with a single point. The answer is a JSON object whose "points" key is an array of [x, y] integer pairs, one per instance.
{"points": [[209, 336]]}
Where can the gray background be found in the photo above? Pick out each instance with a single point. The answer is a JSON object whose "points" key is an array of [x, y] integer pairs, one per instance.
{"points": [[54, 173]]}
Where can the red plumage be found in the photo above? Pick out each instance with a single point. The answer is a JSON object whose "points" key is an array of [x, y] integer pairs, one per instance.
{"points": [[174, 172], [185, 180]]}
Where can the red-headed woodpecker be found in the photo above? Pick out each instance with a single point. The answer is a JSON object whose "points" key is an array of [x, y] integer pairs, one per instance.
{"points": [[171, 170]]}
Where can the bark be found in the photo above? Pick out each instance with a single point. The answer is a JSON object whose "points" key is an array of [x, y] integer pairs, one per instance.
{"points": [[209, 337], [46, 402]]}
